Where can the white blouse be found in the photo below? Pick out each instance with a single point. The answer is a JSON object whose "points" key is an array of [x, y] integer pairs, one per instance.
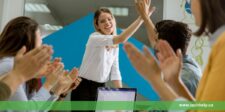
{"points": [[99, 63]]}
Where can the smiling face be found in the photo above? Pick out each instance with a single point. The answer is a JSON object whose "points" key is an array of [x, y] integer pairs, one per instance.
{"points": [[105, 23]]}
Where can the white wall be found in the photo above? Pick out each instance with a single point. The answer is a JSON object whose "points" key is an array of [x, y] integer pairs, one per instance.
{"points": [[11, 9], [42, 19], [1, 12], [174, 9]]}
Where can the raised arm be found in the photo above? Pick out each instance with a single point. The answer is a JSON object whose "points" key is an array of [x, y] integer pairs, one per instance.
{"points": [[128, 32], [144, 11]]}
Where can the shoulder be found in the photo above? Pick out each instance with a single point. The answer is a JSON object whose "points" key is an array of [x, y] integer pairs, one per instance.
{"points": [[190, 69], [220, 42], [218, 47], [99, 35], [6, 60], [6, 64], [96, 34]]}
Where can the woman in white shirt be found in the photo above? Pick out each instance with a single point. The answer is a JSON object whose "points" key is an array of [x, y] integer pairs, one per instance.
{"points": [[100, 62]]}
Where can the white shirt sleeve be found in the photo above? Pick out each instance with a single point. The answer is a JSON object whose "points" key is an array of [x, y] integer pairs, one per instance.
{"points": [[97, 39], [115, 70]]}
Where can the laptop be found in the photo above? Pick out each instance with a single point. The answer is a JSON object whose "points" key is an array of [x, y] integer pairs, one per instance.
{"points": [[116, 94]]}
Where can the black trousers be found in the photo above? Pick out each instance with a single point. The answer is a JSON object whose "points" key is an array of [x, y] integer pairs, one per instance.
{"points": [[86, 91]]}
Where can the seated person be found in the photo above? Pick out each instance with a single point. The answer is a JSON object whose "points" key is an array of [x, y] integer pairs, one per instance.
{"points": [[19, 75], [178, 35]]}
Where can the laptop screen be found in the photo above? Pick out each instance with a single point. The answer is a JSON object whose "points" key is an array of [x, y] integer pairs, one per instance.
{"points": [[116, 94]]}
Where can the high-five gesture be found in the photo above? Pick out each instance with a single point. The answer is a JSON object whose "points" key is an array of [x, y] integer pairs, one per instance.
{"points": [[144, 8]]}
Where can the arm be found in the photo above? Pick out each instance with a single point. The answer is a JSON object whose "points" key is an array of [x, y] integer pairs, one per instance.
{"points": [[152, 36], [171, 64], [115, 74], [210, 88], [117, 83], [148, 68], [144, 12], [97, 39], [10, 81], [4, 91], [180, 88], [127, 33], [52, 79], [175, 83], [163, 90], [26, 66]]}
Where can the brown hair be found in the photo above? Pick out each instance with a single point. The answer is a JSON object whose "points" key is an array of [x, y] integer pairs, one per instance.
{"points": [[212, 15], [17, 33], [177, 34], [98, 13]]}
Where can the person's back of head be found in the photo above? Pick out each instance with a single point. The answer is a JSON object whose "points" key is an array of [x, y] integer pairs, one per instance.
{"points": [[177, 34]]}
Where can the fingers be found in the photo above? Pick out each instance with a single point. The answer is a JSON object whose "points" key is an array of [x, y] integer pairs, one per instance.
{"points": [[57, 59], [132, 52], [59, 68], [66, 73], [144, 8], [151, 10], [44, 60], [21, 52], [147, 53], [164, 49], [59, 74], [169, 50], [67, 83], [135, 56], [78, 79], [179, 54], [45, 50], [148, 2], [160, 57], [140, 6], [35, 51], [76, 83], [73, 74]]}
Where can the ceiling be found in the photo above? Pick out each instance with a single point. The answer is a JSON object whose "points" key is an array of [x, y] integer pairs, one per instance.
{"points": [[68, 11]]}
